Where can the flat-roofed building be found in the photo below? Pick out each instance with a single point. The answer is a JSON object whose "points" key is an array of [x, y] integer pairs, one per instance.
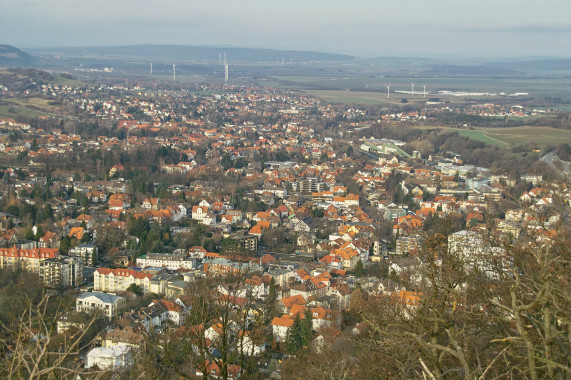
{"points": [[63, 271]]}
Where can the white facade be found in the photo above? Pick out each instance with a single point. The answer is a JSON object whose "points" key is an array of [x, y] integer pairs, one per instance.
{"points": [[111, 357], [170, 261], [108, 304]]}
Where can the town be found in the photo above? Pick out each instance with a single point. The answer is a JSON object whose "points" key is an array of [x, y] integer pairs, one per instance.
{"points": [[249, 232]]}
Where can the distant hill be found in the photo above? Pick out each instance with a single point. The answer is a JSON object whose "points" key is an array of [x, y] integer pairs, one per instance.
{"points": [[11, 56], [202, 53], [543, 66], [20, 79], [470, 71]]}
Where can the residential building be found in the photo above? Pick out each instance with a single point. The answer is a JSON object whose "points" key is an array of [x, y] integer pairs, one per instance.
{"points": [[27, 259], [108, 304], [408, 244], [112, 357], [63, 271], [118, 280], [87, 252], [167, 260]]}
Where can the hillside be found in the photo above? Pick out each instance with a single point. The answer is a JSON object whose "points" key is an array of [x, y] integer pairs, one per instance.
{"points": [[203, 53], [13, 57]]}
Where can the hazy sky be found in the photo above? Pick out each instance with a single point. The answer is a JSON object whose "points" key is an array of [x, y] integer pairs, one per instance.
{"points": [[479, 28]]}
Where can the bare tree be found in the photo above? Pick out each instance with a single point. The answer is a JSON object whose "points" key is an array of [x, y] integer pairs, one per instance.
{"points": [[30, 350]]}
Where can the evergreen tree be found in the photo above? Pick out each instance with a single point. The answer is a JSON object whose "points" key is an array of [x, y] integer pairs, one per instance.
{"points": [[359, 269], [294, 339], [29, 234], [39, 233], [65, 245], [270, 303], [307, 327]]}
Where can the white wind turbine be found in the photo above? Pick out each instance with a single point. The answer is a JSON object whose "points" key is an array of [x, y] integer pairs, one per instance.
{"points": [[388, 90]]}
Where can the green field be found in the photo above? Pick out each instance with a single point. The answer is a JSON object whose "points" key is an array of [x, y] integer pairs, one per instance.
{"points": [[12, 111], [480, 135], [542, 136], [28, 107], [513, 136], [61, 81]]}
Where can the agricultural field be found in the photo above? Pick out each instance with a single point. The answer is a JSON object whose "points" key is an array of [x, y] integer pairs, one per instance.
{"points": [[542, 136], [28, 107], [357, 97], [12, 111], [514, 136], [536, 87]]}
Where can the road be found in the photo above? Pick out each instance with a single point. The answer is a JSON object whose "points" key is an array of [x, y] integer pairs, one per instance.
{"points": [[557, 164]]}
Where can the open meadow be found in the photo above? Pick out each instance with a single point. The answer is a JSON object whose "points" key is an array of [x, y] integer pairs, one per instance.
{"points": [[28, 107], [513, 136]]}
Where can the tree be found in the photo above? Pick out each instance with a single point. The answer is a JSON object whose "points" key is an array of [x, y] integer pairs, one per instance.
{"points": [[216, 330], [47, 357], [65, 245], [436, 331], [270, 304], [39, 233], [135, 289], [295, 338], [226, 161], [359, 269], [29, 234], [307, 327]]}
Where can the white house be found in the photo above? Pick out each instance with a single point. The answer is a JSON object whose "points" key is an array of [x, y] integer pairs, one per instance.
{"points": [[111, 357], [108, 304]]}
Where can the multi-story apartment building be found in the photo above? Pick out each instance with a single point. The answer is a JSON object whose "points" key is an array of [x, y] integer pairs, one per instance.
{"points": [[166, 260], [308, 185], [408, 244], [108, 304], [244, 243], [118, 280], [63, 271], [27, 259], [87, 252]]}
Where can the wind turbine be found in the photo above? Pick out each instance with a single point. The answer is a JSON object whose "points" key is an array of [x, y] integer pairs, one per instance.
{"points": [[173, 71], [225, 69], [424, 90], [412, 89], [388, 91], [151, 68]]}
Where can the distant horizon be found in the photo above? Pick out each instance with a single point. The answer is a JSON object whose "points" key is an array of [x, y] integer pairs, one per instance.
{"points": [[487, 29], [353, 54]]}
